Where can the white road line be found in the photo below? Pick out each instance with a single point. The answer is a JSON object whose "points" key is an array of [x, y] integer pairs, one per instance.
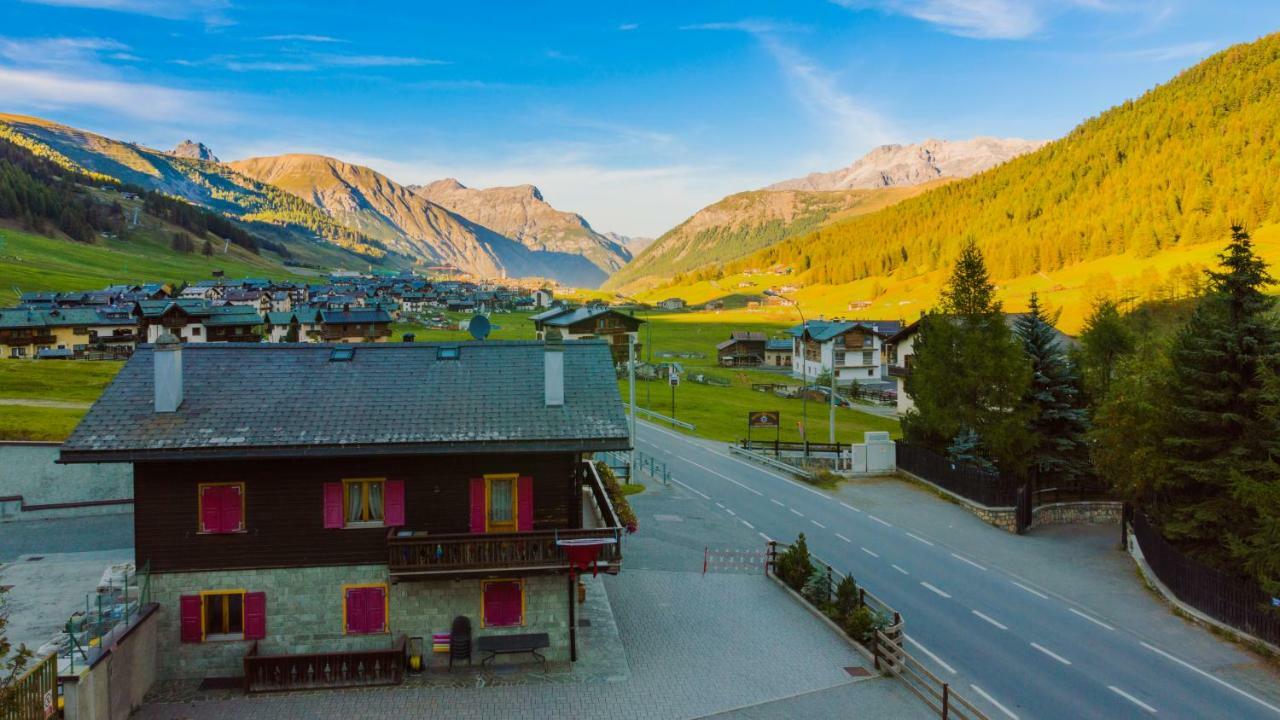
{"points": [[904, 572], [843, 537], [1132, 699], [722, 475], [991, 620], [696, 492], [850, 507], [744, 522], [796, 512], [731, 512], [1030, 590], [928, 652], [1218, 680], [766, 537], [775, 502], [993, 701], [914, 536], [873, 517], [1093, 620], [815, 522], [720, 505], [1051, 653], [931, 588], [870, 553], [967, 560]]}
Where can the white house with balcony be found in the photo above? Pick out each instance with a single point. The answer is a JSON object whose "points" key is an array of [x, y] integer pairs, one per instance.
{"points": [[849, 348]]}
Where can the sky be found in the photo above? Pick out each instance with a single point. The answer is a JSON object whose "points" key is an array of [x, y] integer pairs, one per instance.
{"points": [[634, 114]]}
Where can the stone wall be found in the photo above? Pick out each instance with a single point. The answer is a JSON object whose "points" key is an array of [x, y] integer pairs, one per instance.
{"points": [[118, 676], [29, 471], [1078, 513], [304, 614]]}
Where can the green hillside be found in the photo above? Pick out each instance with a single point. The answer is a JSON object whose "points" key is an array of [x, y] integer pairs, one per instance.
{"points": [[1168, 170]]}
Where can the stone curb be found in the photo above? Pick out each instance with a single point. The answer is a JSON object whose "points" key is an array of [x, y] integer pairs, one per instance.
{"points": [[827, 621]]}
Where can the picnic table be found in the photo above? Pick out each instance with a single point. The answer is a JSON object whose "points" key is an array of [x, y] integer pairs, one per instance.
{"points": [[497, 645]]}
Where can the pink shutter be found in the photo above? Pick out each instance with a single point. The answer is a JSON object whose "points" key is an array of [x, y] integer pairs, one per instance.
{"points": [[477, 505], [255, 615], [393, 503], [333, 505], [355, 610], [524, 503], [211, 509], [189, 611], [232, 505], [375, 610]]}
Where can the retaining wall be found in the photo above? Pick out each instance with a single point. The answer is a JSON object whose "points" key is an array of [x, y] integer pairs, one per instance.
{"points": [[33, 486]]}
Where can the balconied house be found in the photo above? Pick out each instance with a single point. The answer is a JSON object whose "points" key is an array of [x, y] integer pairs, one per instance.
{"points": [[196, 321], [302, 508], [72, 331], [355, 324], [850, 349], [615, 327]]}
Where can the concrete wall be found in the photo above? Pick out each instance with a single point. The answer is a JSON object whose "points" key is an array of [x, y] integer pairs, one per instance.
{"points": [[29, 470], [304, 614], [116, 681]]}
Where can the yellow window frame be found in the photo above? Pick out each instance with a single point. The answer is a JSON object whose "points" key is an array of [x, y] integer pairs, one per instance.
{"points": [[200, 506], [386, 602], [514, 523], [364, 484], [226, 613], [484, 621]]}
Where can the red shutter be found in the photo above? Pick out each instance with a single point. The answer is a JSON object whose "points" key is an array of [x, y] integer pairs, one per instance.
{"points": [[477, 505], [255, 615], [211, 509], [355, 610], [189, 610], [232, 505], [333, 505], [393, 503], [375, 610], [502, 604], [524, 503]]}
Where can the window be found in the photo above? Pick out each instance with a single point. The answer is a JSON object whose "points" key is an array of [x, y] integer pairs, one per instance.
{"points": [[195, 331], [867, 357], [502, 503], [223, 614], [364, 609], [221, 507], [502, 603], [839, 357], [363, 500], [501, 514]]}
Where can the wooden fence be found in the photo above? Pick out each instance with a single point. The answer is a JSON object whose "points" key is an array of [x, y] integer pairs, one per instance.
{"points": [[35, 692]]}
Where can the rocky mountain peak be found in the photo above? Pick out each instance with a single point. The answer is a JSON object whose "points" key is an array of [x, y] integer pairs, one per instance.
{"points": [[890, 165], [194, 150]]}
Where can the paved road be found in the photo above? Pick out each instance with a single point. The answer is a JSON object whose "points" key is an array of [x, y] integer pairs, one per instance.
{"points": [[1014, 647]]}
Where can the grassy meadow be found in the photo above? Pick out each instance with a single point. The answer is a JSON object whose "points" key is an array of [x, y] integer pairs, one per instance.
{"points": [[44, 399]]}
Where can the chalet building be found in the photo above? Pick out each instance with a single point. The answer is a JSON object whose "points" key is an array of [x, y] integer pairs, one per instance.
{"points": [[293, 500], [301, 325], [592, 322], [674, 303], [742, 349], [355, 324], [850, 349], [196, 321], [543, 297], [778, 353], [65, 332]]}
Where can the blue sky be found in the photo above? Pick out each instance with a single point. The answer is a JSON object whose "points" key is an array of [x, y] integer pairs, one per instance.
{"points": [[633, 114]]}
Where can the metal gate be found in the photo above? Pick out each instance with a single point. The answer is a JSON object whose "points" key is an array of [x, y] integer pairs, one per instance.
{"points": [[1022, 509], [35, 694]]}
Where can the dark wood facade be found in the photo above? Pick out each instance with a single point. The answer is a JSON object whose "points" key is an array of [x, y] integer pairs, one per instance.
{"points": [[284, 506]]}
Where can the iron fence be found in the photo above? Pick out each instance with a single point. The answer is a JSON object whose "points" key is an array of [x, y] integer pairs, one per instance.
{"points": [[118, 601], [34, 693], [1223, 597], [989, 489]]}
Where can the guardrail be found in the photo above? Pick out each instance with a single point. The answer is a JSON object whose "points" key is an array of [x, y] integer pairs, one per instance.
{"points": [[766, 460], [664, 418]]}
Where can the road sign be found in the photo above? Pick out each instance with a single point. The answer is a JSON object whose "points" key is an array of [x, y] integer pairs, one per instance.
{"points": [[763, 419], [673, 377]]}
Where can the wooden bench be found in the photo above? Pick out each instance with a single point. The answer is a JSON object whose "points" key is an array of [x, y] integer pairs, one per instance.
{"points": [[530, 643]]}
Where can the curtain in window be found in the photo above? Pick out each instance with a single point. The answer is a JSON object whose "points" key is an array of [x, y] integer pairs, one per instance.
{"points": [[353, 502], [375, 501], [500, 506]]}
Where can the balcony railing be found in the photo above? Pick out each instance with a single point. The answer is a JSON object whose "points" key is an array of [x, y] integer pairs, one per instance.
{"points": [[341, 669], [899, 371], [414, 553]]}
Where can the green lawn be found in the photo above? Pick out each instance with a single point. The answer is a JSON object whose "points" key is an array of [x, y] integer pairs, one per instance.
{"points": [[72, 381], [28, 423]]}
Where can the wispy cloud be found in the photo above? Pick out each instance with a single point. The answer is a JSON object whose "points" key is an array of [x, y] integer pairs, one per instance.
{"points": [[750, 25], [988, 19], [627, 27], [303, 38], [57, 50], [305, 62], [266, 66], [377, 61], [211, 12], [49, 90], [1184, 51]]}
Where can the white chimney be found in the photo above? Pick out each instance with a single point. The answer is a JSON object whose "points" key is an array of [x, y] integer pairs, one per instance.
{"points": [[167, 359], [553, 368]]}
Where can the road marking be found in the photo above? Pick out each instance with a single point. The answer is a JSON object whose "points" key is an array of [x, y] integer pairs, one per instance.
{"points": [[1030, 590], [766, 537], [914, 536], [993, 701], [991, 620], [847, 505], [731, 512], [843, 537], [720, 474], [686, 487], [775, 502], [1218, 680], [904, 572], [1132, 699], [967, 560], [815, 522], [796, 512], [1093, 620], [873, 517], [870, 553], [744, 522], [929, 652], [931, 588], [720, 505], [1051, 653]]}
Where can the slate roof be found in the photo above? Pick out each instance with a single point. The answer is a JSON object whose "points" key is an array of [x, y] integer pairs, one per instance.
{"points": [[356, 315], [564, 317], [780, 344], [245, 400], [824, 330]]}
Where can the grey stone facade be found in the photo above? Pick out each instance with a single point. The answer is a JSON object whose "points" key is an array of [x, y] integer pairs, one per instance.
{"points": [[304, 614]]}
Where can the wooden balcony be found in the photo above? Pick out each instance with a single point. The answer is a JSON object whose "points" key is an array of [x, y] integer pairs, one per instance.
{"points": [[342, 669], [412, 553], [899, 371]]}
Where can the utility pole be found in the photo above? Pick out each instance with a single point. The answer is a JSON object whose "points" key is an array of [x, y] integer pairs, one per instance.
{"points": [[631, 384], [831, 422]]}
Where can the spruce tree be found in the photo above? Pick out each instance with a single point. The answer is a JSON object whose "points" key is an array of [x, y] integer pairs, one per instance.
{"points": [[1103, 341], [1219, 360], [1057, 418], [1255, 539]]}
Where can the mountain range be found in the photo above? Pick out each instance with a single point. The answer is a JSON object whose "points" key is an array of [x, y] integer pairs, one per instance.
{"points": [[895, 165]]}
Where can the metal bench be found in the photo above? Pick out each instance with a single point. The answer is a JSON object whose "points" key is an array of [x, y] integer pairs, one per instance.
{"points": [[530, 643]]}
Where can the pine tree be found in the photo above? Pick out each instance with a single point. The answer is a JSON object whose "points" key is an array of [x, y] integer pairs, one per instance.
{"points": [[1218, 431], [1057, 417], [1103, 341], [1255, 540]]}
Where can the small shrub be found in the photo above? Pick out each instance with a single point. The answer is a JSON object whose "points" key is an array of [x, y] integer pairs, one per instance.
{"points": [[846, 600], [817, 589], [823, 477], [793, 565], [862, 624], [618, 497]]}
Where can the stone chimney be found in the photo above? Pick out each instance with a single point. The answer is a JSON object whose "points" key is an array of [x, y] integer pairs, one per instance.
{"points": [[553, 368], [167, 358]]}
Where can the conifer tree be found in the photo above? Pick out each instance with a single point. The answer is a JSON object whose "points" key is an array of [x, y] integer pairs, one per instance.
{"points": [[1103, 341], [1255, 539], [1057, 418]]}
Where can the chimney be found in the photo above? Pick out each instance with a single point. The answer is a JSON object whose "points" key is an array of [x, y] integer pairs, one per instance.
{"points": [[553, 367], [167, 359]]}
